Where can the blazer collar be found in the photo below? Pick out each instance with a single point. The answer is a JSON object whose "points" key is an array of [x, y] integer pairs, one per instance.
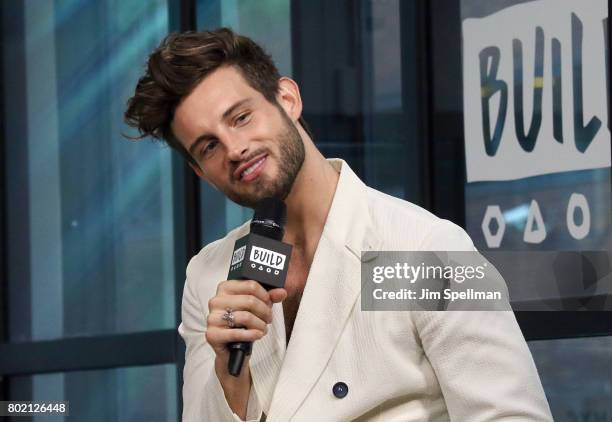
{"points": [[282, 377], [348, 221]]}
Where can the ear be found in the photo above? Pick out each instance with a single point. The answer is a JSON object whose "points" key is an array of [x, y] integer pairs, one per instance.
{"points": [[197, 170], [289, 97]]}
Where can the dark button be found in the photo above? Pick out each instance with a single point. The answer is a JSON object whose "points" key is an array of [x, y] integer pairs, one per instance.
{"points": [[340, 390]]}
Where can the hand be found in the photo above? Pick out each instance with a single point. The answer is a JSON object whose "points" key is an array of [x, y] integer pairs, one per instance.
{"points": [[251, 305], [252, 308]]}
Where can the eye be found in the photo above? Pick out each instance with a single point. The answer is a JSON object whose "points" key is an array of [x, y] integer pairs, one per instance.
{"points": [[209, 148], [243, 118]]}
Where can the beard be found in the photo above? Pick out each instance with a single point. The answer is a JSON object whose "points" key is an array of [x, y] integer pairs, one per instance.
{"points": [[292, 153]]}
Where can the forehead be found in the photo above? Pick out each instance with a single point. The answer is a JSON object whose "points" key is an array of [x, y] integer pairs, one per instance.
{"points": [[203, 108]]}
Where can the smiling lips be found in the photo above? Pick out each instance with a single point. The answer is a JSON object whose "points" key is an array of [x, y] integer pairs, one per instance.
{"points": [[252, 169]]}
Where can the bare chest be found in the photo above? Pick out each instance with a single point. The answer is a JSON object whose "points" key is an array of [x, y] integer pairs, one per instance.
{"points": [[295, 283]]}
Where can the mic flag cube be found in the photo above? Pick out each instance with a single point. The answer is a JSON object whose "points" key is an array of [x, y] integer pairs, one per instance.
{"points": [[261, 259]]}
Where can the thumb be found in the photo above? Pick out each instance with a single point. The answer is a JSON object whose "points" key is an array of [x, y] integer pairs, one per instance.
{"points": [[277, 295]]}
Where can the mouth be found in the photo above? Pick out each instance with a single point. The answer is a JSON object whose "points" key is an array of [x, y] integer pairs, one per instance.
{"points": [[250, 170]]}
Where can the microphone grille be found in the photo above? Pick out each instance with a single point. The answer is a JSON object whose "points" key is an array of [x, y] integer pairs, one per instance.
{"points": [[271, 209]]}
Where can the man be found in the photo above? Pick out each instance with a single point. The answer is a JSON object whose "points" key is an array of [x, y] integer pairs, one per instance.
{"points": [[218, 99]]}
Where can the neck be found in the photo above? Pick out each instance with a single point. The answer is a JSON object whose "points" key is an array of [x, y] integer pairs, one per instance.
{"points": [[310, 199]]}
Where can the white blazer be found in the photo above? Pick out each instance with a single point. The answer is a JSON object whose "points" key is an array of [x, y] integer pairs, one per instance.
{"points": [[399, 366]]}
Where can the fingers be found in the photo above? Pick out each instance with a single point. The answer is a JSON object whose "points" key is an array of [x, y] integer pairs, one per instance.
{"points": [[242, 319], [241, 303], [217, 336], [251, 306], [243, 287]]}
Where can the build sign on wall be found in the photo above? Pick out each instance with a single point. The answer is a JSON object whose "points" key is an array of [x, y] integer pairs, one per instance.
{"points": [[537, 127]]}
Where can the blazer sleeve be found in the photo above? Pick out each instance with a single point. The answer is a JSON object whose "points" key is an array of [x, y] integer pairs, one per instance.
{"points": [[482, 362], [203, 397]]}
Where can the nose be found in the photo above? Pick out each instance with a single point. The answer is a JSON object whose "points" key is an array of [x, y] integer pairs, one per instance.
{"points": [[237, 147]]}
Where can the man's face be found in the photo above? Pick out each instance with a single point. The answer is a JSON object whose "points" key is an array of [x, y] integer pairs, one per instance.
{"points": [[244, 145]]}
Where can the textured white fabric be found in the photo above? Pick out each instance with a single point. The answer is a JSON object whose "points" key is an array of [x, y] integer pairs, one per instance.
{"points": [[399, 366]]}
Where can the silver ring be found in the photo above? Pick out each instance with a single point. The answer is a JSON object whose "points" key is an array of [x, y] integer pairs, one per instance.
{"points": [[228, 317]]}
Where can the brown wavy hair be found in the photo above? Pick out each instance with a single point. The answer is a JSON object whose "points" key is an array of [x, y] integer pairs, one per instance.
{"points": [[181, 61]]}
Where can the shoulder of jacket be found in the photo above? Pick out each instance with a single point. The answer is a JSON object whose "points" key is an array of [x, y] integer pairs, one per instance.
{"points": [[216, 250], [384, 207], [381, 200], [403, 219]]}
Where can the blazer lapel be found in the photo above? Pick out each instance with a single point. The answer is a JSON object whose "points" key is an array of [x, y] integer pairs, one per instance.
{"points": [[332, 288]]}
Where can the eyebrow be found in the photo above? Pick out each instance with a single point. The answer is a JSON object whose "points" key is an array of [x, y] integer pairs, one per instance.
{"points": [[226, 114]]}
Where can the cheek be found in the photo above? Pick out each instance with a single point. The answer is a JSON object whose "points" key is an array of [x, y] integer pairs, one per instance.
{"points": [[214, 173], [217, 182], [265, 126]]}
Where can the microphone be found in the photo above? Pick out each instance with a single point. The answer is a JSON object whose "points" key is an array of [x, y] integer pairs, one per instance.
{"points": [[261, 256]]}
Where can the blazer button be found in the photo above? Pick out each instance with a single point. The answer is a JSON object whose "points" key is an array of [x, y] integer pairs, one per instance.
{"points": [[340, 390]]}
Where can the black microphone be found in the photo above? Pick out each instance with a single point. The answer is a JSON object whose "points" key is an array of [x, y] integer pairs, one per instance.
{"points": [[260, 256]]}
